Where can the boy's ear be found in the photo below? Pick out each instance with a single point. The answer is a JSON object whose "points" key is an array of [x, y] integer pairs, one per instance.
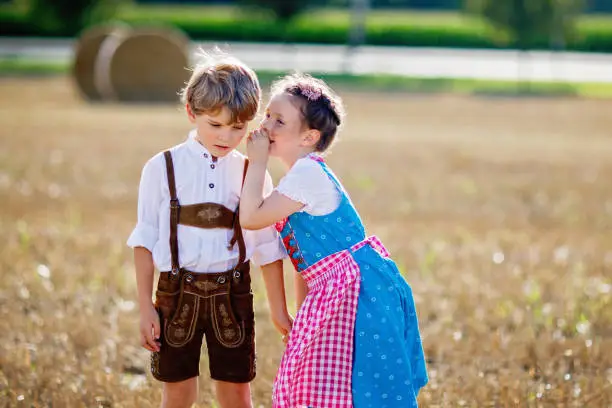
{"points": [[190, 114], [311, 137]]}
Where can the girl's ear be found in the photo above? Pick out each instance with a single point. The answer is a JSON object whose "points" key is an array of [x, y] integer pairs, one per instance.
{"points": [[311, 137], [190, 114]]}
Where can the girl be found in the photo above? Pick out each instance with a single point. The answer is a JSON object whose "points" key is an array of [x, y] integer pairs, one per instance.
{"points": [[355, 340]]}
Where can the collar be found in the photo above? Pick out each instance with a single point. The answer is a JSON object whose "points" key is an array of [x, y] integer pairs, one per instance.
{"points": [[316, 157], [199, 150]]}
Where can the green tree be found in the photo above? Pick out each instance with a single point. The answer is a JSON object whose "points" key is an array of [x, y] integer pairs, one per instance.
{"points": [[68, 17], [528, 21], [284, 10]]}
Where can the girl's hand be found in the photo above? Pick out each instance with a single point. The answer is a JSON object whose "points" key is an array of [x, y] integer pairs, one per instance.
{"points": [[258, 146], [283, 323]]}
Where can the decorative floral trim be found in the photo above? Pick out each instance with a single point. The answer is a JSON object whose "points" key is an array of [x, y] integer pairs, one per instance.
{"points": [[291, 245]]}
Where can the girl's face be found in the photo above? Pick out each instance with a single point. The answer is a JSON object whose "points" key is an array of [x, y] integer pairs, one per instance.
{"points": [[284, 123], [216, 133]]}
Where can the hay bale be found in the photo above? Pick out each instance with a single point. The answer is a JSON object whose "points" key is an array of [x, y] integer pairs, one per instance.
{"points": [[86, 54], [102, 78], [145, 66]]}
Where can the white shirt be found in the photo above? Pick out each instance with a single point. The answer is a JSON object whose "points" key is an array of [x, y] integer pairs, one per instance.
{"points": [[198, 180], [306, 182]]}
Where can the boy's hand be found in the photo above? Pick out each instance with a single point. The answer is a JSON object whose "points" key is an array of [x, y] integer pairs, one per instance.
{"points": [[149, 329], [258, 146]]}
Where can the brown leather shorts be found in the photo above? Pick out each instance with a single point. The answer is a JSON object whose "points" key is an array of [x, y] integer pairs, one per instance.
{"points": [[216, 305]]}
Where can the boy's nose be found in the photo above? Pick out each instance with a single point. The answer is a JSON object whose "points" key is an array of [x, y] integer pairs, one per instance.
{"points": [[224, 136]]}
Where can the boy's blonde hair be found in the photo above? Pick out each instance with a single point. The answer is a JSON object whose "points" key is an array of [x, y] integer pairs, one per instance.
{"points": [[222, 80]]}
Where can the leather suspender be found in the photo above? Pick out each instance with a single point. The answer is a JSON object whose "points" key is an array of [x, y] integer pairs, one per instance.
{"points": [[174, 213], [175, 209], [237, 229]]}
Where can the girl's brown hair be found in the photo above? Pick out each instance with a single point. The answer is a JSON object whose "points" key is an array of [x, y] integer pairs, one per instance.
{"points": [[321, 107]]}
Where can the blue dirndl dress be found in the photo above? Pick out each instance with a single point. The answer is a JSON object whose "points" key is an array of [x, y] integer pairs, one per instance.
{"points": [[388, 364]]}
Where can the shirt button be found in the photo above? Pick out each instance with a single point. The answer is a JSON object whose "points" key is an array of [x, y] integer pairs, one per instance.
{"points": [[212, 166], [205, 155], [211, 185]]}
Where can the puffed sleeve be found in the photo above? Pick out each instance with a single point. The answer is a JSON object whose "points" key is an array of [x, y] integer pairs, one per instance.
{"points": [[307, 183]]}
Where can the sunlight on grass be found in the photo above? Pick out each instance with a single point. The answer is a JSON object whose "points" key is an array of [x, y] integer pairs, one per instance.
{"points": [[498, 212]]}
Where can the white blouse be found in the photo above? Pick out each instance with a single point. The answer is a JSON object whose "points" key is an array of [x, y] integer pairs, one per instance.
{"points": [[199, 179], [306, 182]]}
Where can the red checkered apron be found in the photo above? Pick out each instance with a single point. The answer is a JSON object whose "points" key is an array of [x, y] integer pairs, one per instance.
{"points": [[316, 369]]}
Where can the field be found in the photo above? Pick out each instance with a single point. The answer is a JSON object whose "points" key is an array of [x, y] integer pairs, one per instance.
{"points": [[498, 210]]}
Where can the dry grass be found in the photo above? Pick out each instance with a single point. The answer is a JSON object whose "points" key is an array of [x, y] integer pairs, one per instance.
{"points": [[499, 212]]}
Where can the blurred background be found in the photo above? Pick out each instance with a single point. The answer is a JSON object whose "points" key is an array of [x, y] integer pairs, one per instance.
{"points": [[559, 40], [477, 146]]}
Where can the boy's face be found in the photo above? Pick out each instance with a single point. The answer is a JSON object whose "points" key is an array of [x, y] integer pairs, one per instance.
{"points": [[216, 133]]}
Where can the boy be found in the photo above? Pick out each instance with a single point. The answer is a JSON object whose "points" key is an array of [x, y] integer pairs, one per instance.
{"points": [[188, 227]]}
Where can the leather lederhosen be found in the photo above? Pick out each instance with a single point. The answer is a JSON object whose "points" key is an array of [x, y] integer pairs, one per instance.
{"points": [[216, 305]]}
